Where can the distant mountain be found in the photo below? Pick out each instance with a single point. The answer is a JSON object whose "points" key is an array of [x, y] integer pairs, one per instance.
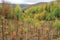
{"points": [[40, 4], [26, 6], [23, 6]]}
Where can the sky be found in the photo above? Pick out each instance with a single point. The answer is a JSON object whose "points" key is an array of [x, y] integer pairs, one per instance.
{"points": [[26, 1]]}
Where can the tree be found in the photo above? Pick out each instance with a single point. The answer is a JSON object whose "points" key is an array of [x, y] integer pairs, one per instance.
{"points": [[0, 9], [56, 12], [56, 24], [41, 16], [10, 13], [18, 11], [47, 8]]}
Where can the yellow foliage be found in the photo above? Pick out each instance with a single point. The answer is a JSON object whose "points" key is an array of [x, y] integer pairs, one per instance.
{"points": [[6, 33], [0, 26], [32, 26], [18, 8], [42, 22], [40, 15], [25, 29], [44, 6]]}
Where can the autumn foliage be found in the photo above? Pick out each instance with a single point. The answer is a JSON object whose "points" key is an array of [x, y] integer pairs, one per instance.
{"points": [[40, 22]]}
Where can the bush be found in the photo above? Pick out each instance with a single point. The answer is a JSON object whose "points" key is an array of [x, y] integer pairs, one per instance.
{"points": [[50, 17], [56, 12], [56, 24], [0, 9], [41, 16]]}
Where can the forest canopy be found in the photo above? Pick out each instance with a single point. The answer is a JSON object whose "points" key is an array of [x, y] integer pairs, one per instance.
{"points": [[46, 11]]}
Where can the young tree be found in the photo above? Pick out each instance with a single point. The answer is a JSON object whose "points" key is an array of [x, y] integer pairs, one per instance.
{"points": [[18, 11], [10, 13], [0, 9]]}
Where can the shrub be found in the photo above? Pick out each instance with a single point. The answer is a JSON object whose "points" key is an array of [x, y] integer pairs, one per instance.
{"points": [[50, 17], [18, 12], [41, 16], [0, 9], [56, 24], [56, 12]]}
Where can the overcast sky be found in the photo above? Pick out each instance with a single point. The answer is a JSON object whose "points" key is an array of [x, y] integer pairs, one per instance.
{"points": [[26, 1]]}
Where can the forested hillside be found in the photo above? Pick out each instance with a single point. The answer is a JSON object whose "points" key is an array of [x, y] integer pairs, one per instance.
{"points": [[38, 22]]}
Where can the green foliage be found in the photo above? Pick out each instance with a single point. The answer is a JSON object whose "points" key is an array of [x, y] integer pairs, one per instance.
{"points": [[49, 11], [34, 10], [48, 8], [56, 24], [0, 26], [12, 28], [10, 13], [0, 9], [18, 11], [2, 17], [57, 12], [27, 19], [41, 16], [50, 17]]}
